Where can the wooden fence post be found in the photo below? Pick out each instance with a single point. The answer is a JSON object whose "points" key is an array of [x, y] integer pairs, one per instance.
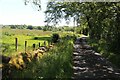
{"points": [[33, 47], [16, 44], [25, 46], [39, 44], [44, 43]]}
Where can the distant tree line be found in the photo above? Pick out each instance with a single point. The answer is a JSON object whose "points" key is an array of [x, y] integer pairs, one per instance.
{"points": [[44, 28]]}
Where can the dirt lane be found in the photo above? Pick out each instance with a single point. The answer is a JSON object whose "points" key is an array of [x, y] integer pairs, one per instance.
{"points": [[87, 64]]}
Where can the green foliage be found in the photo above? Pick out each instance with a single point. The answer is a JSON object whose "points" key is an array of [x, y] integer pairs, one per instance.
{"points": [[100, 21], [30, 27], [13, 27], [7, 34], [55, 64], [59, 62], [102, 48], [42, 38], [18, 26], [5, 47], [44, 28], [55, 38], [39, 28], [74, 38], [36, 38], [115, 59], [31, 36]]}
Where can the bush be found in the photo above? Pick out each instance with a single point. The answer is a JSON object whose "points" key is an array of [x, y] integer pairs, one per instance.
{"points": [[30, 27], [13, 27], [39, 28], [36, 38], [55, 64], [74, 37], [55, 38]]}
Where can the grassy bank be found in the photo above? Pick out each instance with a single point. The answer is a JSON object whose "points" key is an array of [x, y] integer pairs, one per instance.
{"points": [[54, 64]]}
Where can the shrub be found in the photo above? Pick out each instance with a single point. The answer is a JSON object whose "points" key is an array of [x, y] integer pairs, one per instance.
{"points": [[74, 38], [30, 27], [36, 38], [39, 28], [55, 38], [13, 27]]}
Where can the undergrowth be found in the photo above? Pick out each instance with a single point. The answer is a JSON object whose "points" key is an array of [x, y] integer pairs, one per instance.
{"points": [[55, 64], [102, 47]]}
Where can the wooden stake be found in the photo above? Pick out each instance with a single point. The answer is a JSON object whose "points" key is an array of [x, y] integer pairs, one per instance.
{"points": [[16, 44], [33, 47], [39, 44], [25, 46], [44, 43]]}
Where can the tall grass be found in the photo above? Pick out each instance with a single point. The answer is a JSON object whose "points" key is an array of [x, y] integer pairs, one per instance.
{"points": [[55, 64], [59, 61]]}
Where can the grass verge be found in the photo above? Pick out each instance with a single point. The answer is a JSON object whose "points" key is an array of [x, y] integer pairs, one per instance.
{"points": [[55, 64]]}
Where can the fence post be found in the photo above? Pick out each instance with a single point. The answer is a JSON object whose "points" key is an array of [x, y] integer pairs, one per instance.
{"points": [[33, 47], [44, 43], [25, 46], [39, 44], [16, 44]]}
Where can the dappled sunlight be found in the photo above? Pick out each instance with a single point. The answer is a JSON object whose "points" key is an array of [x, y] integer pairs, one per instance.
{"points": [[89, 64]]}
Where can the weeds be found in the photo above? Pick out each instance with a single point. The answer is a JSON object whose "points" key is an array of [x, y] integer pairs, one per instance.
{"points": [[55, 64], [102, 47]]}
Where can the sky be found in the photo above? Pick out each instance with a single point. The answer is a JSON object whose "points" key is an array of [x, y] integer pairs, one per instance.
{"points": [[15, 12]]}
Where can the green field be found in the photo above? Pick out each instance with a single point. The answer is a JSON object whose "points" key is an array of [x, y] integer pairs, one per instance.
{"points": [[31, 36], [56, 63]]}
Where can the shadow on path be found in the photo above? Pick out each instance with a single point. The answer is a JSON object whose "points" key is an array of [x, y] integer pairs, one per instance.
{"points": [[87, 64]]}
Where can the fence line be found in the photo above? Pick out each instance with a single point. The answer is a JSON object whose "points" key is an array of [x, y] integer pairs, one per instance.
{"points": [[33, 45]]}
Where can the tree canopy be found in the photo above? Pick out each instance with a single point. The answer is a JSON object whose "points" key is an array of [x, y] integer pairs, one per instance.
{"points": [[35, 2], [100, 20]]}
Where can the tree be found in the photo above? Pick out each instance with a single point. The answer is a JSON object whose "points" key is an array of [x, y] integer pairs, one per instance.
{"points": [[12, 26], [39, 28], [100, 20], [57, 11], [30, 27]]}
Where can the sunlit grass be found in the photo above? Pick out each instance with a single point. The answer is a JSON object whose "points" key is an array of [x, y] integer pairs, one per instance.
{"points": [[55, 64], [9, 35]]}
